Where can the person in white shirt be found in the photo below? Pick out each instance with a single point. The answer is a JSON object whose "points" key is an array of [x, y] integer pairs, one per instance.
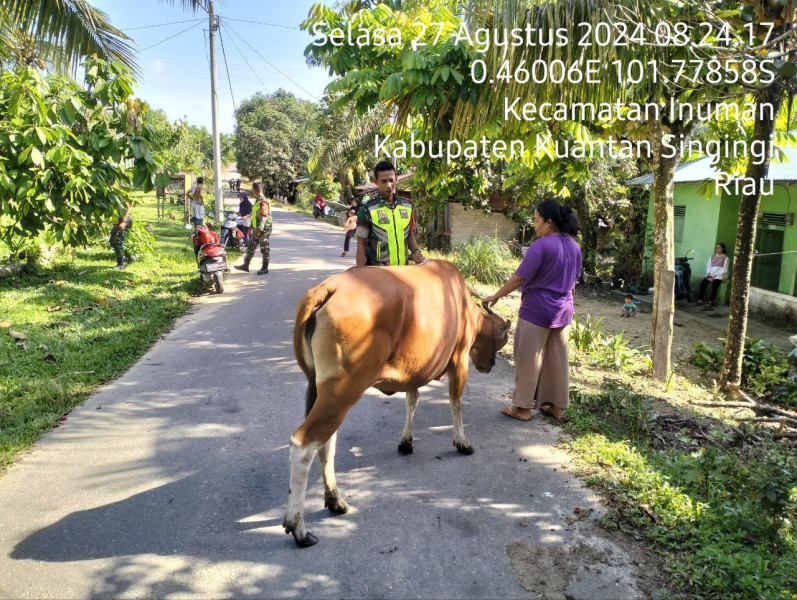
{"points": [[716, 273]]}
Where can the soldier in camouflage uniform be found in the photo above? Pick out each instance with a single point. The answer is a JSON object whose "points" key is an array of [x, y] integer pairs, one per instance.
{"points": [[118, 235], [260, 231]]}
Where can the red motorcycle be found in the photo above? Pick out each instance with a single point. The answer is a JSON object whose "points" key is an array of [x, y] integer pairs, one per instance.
{"points": [[211, 258]]}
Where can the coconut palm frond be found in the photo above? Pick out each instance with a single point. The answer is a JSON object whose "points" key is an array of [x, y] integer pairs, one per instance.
{"points": [[73, 29], [346, 137]]}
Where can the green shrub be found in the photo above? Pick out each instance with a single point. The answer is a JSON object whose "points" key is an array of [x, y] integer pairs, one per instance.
{"points": [[765, 368], [139, 240], [585, 335], [486, 259]]}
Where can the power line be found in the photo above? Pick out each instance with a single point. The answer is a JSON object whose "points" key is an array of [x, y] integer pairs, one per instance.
{"points": [[227, 68], [247, 63], [271, 65], [262, 23], [159, 25], [171, 37]]}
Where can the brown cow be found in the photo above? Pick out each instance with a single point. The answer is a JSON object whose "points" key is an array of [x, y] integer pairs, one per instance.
{"points": [[393, 328]]}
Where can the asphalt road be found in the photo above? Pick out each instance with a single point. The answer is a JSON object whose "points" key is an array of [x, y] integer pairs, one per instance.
{"points": [[172, 481]]}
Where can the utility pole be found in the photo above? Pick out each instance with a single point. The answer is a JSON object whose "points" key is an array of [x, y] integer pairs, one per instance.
{"points": [[214, 104]]}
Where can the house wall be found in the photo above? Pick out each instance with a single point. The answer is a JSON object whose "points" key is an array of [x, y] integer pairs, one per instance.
{"points": [[700, 230], [708, 222], [784, 200], [466, 224]]}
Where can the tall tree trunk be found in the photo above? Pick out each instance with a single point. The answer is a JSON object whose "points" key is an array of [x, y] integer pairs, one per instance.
{"points": [[589, 231], [745, 239], [663, 247]]}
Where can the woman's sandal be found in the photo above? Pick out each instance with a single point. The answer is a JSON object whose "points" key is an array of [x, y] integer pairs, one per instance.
{"points": [[552, 411], [511, 411], [344, 253]]}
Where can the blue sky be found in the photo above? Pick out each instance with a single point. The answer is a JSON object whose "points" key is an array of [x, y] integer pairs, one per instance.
{"points": [[175, 72]]}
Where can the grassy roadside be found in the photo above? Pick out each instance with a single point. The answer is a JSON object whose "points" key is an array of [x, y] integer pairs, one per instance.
{"points": [[715, 497], [85, 324]]}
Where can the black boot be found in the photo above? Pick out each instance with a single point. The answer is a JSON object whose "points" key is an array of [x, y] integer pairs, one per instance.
{"points": [[264, 269], [245, 266]]}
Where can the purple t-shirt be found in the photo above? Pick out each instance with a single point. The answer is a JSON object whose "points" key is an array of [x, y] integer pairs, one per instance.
{"points": [[549, 271]]}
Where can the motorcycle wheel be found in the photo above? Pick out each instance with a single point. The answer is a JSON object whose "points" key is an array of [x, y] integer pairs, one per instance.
{"points": [[218, 282]]}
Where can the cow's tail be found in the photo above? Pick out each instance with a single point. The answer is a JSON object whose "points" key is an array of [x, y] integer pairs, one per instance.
{"points": [[314, 299]]}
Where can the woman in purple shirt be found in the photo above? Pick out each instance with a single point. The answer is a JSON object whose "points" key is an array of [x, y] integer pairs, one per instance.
{"points": [[547, 278]]}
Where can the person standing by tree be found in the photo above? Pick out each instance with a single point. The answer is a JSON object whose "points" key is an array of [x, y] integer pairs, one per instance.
{"points": [[260, 232], [547, 277], [386, 224], [118, 235]]}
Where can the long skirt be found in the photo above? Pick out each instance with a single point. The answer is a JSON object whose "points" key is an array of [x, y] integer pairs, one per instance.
{"points": [[542, 372]]}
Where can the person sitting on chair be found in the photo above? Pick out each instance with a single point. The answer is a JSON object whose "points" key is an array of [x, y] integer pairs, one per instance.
{"points": [[716, 272]]}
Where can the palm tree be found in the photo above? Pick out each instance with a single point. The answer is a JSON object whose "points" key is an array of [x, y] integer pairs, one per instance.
{"points": [[60, 33]]}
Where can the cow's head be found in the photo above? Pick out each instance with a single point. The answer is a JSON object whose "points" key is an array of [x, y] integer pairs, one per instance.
{"points": [[490, 338]]}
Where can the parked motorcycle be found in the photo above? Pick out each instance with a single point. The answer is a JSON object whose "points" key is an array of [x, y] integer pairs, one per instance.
{"points": [[319, 208], [211, 258], [683, 275], [230, 235]]}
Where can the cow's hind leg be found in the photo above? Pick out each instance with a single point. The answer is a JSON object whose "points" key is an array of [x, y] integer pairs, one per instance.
{"points": [[301, 457], [332, 498], [457, 376], [405, 445]]}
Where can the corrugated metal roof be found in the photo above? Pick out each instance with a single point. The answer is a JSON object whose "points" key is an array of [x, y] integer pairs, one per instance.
{"points": [[700, 170]]}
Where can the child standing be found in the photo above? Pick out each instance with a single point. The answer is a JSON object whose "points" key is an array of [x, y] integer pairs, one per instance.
{"points": [[118, 235], [629, 306]]}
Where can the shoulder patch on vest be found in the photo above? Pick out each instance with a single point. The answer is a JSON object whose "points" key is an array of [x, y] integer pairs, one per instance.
{"points": [[383, 218]]}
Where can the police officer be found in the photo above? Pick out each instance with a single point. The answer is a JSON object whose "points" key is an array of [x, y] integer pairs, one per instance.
{"points": [[386, 224], [260, 231], [118, 235]]}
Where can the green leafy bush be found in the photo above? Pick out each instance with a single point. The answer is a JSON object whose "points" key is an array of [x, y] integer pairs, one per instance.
{"points": [[139, 240], [765, 368], [486, 259], [585, 335]]}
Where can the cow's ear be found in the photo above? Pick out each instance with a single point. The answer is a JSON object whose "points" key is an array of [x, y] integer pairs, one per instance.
{"points": [[506, 326]]}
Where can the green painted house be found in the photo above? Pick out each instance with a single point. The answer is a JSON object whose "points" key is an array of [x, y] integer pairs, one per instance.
{"points": [[701, 223]]}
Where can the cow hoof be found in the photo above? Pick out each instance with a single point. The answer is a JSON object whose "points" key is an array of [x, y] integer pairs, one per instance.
{"points": [[336, 505], [309, 540], [405, 447], [466, 449]]}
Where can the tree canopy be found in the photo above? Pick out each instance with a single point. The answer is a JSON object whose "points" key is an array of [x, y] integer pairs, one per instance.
{"points": [[70, 154], [274, 138]]}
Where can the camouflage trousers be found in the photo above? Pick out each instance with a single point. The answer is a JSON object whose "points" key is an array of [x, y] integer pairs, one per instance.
{"points": [[117, 242], [262, 241]]}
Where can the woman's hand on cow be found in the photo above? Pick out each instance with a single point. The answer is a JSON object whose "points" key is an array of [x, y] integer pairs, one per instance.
{"points": [[490, 300]]}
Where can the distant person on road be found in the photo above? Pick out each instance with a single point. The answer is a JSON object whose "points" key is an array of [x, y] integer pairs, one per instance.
{"points": [[118, 235], [260, 232], [386, 224], [245, 211], [197, 203], [349, 228], [547, 277], [716, 272]]}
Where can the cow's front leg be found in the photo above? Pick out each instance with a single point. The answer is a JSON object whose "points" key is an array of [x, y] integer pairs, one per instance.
{"points": [[301, 457], [332, 498], [457, 376], [405, 445]]}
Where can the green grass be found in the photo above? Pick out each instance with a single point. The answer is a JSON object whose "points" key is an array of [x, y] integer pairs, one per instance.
{"points": [[720, 508], [108, 319]]}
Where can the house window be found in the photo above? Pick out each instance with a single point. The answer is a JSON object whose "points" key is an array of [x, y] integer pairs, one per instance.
{"points": [[680, 217]]}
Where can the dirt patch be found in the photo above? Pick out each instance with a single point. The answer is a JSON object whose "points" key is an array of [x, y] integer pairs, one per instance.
{"points": [[595, 569]]}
